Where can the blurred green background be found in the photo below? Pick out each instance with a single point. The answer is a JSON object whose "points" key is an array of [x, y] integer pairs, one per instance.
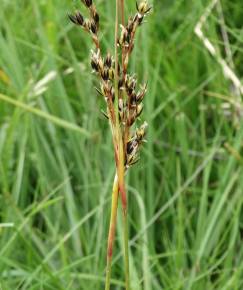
{"points": [[56, 158]]}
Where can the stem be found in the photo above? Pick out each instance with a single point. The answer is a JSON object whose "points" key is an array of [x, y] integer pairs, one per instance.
{"points": [[122, 13], [112, 229], [116, 79], [126, 249], [122, 189], [120, 146]]}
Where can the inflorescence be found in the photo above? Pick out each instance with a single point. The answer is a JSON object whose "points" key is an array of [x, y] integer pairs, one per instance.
{"points": [[130, 97]]}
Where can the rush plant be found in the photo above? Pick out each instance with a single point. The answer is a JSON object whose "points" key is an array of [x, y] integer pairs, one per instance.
{"points": [[124, 106]]}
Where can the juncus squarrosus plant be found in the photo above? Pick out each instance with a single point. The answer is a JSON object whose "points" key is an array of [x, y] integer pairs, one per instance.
{"points": [[124, 106]]}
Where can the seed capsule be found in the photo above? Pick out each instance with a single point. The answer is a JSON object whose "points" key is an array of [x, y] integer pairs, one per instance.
{"points": [[94, 65], [88, 3], [105, 74], [77, 18], [108, 60], [93, 27], [133, 98], [96, 17], [120, 83], [96, 61], [131, 146]]}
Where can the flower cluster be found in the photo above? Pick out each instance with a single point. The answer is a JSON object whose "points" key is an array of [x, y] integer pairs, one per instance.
{"points": [[90, 24], [129, 96], [126, 41]]}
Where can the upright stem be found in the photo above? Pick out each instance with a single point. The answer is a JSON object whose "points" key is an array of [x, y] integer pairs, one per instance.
{"points": [[122, 13], [116, 79], [112, 229], [122, 189], [121, 140]]}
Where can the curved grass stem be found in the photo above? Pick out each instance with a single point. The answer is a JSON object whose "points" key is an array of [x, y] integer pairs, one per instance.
{"points": [[112, 229]]}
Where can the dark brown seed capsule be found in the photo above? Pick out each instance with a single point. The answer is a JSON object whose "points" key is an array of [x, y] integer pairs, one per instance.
{"points": [[88, 3], [130, 147], [80, 18], [105, 74], [120, 83], [96, 17], [93, 27], [133, 98], [140, 19], [94, 65], [72, 18], [108, 60]]}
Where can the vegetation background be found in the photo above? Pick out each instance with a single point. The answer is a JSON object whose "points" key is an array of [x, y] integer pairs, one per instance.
{"points": [[56, 159]]}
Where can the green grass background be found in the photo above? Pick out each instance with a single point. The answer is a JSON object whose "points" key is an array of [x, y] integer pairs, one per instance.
{"points": [[186, 193]]}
